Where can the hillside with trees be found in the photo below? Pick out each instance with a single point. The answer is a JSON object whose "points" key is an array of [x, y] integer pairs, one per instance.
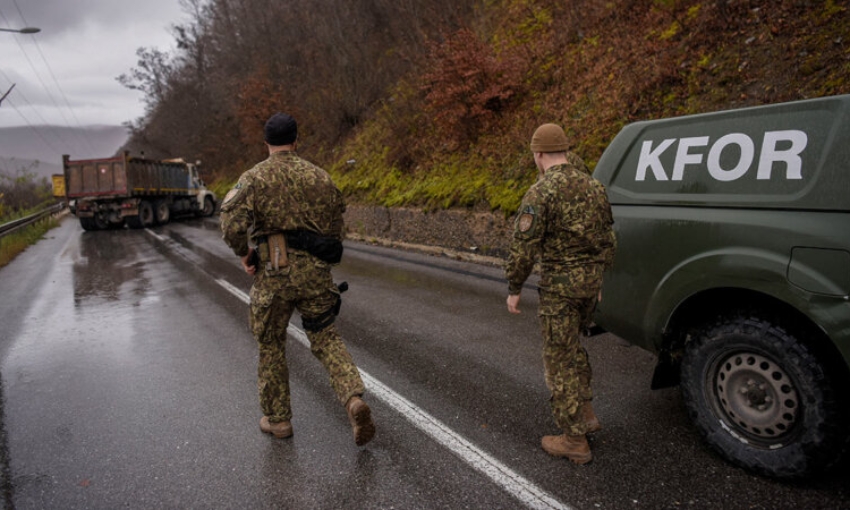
{"points": [[431, 103]]}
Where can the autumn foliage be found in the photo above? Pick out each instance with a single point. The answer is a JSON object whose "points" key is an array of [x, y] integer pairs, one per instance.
{"points": [[468, 87], [431, 103]]}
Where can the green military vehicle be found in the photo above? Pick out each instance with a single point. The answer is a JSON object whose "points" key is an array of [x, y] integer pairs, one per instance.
{"points": [[733, 265]]}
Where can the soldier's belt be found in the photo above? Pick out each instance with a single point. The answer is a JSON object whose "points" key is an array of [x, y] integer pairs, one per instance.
{"points": [[327, 249]]}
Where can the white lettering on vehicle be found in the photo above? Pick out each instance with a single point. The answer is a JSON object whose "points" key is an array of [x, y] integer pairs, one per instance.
{"points": [[744, 143], [774, 149], [684, 157]]}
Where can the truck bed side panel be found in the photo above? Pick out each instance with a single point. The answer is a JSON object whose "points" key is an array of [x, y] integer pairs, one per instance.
{"points": [[157, 178], [125, 177]]}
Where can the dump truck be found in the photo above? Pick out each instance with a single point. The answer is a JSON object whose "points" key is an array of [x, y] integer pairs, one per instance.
{"points": [[733, 266], [112, 192]]}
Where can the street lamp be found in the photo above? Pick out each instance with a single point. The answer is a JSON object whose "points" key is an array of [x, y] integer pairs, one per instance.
{"points": [[25, 30]]}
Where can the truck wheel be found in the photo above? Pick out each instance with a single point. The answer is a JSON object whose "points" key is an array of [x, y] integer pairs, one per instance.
{"points": [[209, 206], [760, 398], [100, 222], [146, 215], [88, 224], [162, 212], [144, 219]]}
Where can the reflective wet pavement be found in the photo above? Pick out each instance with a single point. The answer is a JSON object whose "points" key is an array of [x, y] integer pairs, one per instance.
{"points": [[128, 380]]}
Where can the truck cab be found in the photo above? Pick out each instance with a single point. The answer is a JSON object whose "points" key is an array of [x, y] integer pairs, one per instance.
{"points": [[205, 198]]}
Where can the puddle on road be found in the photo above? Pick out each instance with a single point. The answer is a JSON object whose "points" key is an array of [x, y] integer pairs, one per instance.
{"points": [[89, 314], [108, 262]]}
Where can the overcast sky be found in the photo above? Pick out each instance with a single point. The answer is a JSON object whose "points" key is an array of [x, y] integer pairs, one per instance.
{"points": [[65, 75]]}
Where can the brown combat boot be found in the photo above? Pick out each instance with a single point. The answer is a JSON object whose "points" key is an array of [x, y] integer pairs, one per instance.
{"points": [[574, 448], [360, 417], [589, 417], [279, 430]]}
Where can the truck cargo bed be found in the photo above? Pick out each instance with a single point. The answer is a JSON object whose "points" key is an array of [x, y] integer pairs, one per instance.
{"points": [[124, 176]]}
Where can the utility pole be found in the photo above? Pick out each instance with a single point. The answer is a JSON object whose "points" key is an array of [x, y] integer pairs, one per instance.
{"points": [[6, 94]]}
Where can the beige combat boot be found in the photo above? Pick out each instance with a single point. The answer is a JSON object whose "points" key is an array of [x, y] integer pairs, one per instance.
{"points": [[589, 417], [574, 448], [279, 430], [360, 417]]}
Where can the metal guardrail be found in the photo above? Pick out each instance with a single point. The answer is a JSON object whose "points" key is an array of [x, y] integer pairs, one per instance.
{"points": [[12, 226]]}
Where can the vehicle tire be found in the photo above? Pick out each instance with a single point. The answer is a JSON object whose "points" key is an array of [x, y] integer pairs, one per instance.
{"points": [[209, 206], [144, 219], [162, 212], [88, 224], [100, 222], [146, 214], [760, 398]]}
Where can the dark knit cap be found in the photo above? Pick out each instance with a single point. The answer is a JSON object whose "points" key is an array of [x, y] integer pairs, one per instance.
{"points": [[281, 129]]}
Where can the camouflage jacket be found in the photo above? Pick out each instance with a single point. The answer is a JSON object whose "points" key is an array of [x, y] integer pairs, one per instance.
{"points": [[284, 192], [564, 221]]}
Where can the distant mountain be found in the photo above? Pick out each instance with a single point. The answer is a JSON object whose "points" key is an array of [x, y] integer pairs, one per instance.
{"points": [[22, 146]]}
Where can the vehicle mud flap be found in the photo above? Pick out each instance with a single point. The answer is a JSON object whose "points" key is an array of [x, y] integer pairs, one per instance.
{"points": [[667, 373]]}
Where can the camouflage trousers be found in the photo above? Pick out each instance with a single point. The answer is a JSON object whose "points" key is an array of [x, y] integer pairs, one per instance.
{"points": [[565, 362], [306, 286]]}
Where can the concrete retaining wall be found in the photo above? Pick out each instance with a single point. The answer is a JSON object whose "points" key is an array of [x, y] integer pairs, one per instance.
{"points": [[482, 233]]}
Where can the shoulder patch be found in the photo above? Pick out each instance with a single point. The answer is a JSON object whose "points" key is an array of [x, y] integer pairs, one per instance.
{"points": [[526, 219], [230, 194], [233, 193], [525, 222]]}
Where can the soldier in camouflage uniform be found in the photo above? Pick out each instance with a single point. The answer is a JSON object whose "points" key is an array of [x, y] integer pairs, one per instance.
{"points": [[564, 221], [292, 212]]}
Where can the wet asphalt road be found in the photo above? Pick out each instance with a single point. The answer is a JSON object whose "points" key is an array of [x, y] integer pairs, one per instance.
{"points": [[128, 381]]}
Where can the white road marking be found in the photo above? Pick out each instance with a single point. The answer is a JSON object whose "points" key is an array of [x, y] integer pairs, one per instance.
{"points": [[516, 485]]}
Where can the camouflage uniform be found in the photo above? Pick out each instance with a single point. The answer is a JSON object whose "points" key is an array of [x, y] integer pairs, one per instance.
{"points": [[285, 193], [565, 220]]}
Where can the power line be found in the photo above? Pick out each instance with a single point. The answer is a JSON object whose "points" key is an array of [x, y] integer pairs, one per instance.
{"points": [[35, 111], [38, 76], [81, 132], [33, 128], [58, 134], [55, 81]]}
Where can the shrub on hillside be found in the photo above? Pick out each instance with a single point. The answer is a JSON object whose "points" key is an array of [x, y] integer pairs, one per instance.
{"points": [[21, 191], [468, 87]]}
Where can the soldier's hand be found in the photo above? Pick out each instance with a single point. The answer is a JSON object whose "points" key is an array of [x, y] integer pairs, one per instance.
{"points": [[513, 303], [250, 269]]}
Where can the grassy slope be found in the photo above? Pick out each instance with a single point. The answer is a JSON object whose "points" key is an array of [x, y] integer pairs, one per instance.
{"points": [[593, 67]]}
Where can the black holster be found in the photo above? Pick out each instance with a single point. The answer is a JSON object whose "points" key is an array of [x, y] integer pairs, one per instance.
{"points": [[327, 318]]}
